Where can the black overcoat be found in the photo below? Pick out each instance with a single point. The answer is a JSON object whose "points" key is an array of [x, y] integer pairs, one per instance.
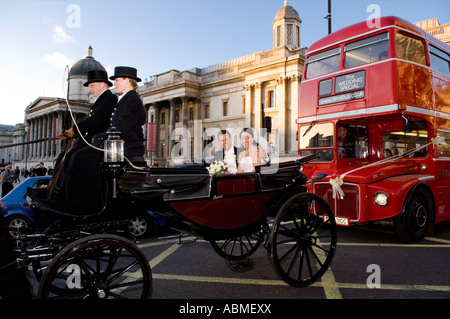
{"points": [[99, 117], [128, 117]]}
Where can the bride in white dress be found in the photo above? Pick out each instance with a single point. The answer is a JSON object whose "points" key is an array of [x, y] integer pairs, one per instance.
{"points": [[251, 155]]}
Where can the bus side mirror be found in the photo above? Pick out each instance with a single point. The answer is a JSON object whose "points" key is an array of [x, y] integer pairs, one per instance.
{"points": [[406, 125]]}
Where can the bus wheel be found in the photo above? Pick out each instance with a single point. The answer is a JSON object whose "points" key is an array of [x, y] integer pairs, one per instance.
{"points": [[413, 223]]}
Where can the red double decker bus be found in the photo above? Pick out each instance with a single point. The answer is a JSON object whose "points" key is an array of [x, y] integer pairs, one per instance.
{"points": [[375, 107]]}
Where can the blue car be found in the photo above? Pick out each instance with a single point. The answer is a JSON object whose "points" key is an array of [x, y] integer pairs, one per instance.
{"points": [[15, 210]]}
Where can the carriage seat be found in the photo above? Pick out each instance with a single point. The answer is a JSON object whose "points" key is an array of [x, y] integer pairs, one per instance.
{"points": [[49, 209], [281, 175], [172, 183]]}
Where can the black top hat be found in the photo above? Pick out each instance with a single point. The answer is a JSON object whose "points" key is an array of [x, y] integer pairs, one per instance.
{"points": [[125, 72], [97, 76]]}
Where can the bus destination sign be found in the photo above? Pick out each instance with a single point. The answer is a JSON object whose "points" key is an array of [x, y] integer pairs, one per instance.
{"points": [[350, 82]]}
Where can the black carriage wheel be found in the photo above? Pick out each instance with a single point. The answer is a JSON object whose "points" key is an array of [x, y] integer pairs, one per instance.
{"points": [[58, 241], [240, 247], [413, 223], [303, 239], [98, 267]]}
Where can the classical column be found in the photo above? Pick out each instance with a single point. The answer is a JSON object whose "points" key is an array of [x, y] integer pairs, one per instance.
{"points": [[45, 152], [197, 111], [248, 105], [171, 123], [184, 111], [156, 121], [59, 128], [52, 134], [34, 137], [282, 102], [27, 139], [30, 138], [293, 109], [37, 146], [41, 136], [258, 106]]}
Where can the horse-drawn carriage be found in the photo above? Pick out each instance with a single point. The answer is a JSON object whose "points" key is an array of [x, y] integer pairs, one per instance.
{"points": [[236, 213]]}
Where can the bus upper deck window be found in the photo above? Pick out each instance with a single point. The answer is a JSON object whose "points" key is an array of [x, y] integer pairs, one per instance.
{"points": [[322, 63], [439, 60], [367, 50], [410, 49]]}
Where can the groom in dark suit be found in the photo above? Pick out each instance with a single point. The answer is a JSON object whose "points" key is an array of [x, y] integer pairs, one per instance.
{"points": [[228, 153]]}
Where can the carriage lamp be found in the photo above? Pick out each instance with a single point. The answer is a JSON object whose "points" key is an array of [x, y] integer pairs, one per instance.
{"points": [[381, 198], [114, 147]]}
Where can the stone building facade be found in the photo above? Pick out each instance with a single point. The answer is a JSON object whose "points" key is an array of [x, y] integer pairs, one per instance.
{"points": [[259, 90], [433, 27]]}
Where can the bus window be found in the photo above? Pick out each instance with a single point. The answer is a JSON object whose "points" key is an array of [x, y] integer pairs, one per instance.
{"points": [[317, 139], [352, 141], [404, 143], [443, 150], [440, 61], [410, 49], [367, 50], [323, 63]]}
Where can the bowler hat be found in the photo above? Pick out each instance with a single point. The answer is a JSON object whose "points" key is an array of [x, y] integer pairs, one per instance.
{"points": [[97, 76], [125, 72]]}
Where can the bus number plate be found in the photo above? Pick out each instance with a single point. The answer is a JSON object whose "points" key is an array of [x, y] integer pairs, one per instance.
{"points": [[342, 221]]}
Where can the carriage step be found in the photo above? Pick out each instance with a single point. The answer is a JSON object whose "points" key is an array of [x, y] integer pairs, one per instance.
{"points": [[189, 239], [241, 265]]}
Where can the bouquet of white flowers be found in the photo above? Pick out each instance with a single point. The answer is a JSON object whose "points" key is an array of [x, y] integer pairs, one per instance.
{"points": [[220, 167]]}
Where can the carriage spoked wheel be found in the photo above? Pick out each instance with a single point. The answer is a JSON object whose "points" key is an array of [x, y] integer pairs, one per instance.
{"points": [[58, 241], [303, 239], [97, 267], [240, 247]]}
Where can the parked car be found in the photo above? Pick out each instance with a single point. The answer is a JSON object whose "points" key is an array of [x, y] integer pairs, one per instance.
{"points": [[15, 212], [144, 224]]}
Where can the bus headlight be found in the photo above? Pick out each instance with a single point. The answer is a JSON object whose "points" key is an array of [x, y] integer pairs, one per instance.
{"points": [[381, 198]]}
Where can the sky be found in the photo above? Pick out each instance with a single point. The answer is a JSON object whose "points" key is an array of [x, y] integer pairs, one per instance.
{"points": [[40, 38]]}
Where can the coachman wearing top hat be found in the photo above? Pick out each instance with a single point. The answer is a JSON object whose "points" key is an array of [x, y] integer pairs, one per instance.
{"points": [[98, 120], [128, 115]]}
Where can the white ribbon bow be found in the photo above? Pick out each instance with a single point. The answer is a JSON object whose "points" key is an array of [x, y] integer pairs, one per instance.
{"points": [[336, 185]]}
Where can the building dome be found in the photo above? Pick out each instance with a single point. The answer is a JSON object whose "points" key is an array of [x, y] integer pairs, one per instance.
{"points": [[287, 12], [82, 67]]}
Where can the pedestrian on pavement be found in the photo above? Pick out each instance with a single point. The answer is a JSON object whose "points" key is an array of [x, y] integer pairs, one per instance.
{"points": [[7, 178]]}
